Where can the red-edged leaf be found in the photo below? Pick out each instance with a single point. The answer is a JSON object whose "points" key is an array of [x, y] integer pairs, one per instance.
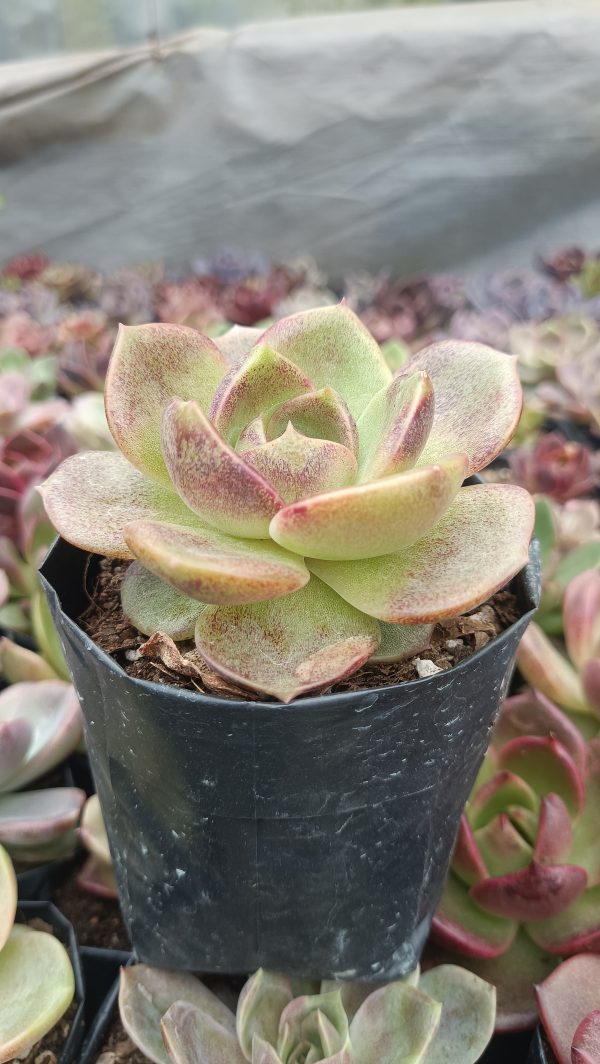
{"points": [[555, 832], [531, 713], [299, 466], [394, 427], [502, 847], [322, 414], [503, 790], [565, 998], [546, 669], [575, 930], [460, 924], [586, 1040], [581, 617], [533, 893], [546, 766], [467, 862], [590, 678]]}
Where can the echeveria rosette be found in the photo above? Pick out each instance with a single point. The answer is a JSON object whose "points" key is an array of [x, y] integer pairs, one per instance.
{"points": [[524, 885], [287, 500], [445, 1017]]}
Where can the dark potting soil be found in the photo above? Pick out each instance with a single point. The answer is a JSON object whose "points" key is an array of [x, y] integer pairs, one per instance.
{"points": [[118, 1047], [97, 921], [451, 642], [49, 1049]]}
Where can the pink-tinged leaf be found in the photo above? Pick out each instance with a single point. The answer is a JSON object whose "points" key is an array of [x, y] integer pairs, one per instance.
{"points": [[15, 739], [533, 893], [396, 1023], [468, 1014], [585, 1048], [532, 713], [399, 642], [209, 566], [262, 1053], [555, 831], [214, 481], [333, 347], [394, 427], [17, 664], [146, 994], [93, 495], [525, 821], [503, 790], [289, 646], [502, 847], [478, 400], [254, 435], [52, 712], [35, 818], [467, 862], [149, 365], [237, 342], [302, 1022], [545, 765], [575, 930], [8, 896], [548, 671], [353, 994], [261, 1002], [590, 678], [4, 588], [565, 998], [585, 848], [98, 878], [148, 601], [299, 466], [368, 520], [323, 415], [193, 1037], [581, 617], [474, 549], [92, 831], [255, 387], [459, 924], [36, 987]]}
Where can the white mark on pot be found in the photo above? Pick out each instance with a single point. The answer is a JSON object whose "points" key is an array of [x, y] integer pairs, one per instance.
{"points": [[180, 872], [144, 849], [208, 783], [175, 834]]}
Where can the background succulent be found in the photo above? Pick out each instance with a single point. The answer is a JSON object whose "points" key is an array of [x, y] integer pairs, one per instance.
{"points": [[553, 466], [36, 978], [444, 1017], [569, 1005], [569, 539], [290, 501], [96, 875]]}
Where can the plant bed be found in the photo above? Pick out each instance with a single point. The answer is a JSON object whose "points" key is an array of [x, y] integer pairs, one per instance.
{"points": [[97, 920]]}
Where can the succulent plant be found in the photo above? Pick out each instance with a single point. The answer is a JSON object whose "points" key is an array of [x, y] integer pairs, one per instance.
{"points": [[569, 1005], [524, 886], [543, 346], [569, 538], [588, 278], [300, 509], [554, 466], [36, 978], [572, 682], [96, 876], [446, 1015], [563, 264]]}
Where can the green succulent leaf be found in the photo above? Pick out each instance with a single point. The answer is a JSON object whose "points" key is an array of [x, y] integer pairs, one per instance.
{"points": [[460, 924], [40, 724], [475, 548], [237, 342], [574, 930], [543, 763], [545, 668], [192, 1036], [503, 790], [36, 988], [151, 364], [397, 1022], [322, 414], [8, 896], [17, 664], [318, 1022], [355, 993], [394, 427], [212, 567], [261, 1002], [32, 823], [468, 1014], [502, 847], [401, 641], [581, 614], [288, 646], [300, 466], [545, 528], [151, 604]]}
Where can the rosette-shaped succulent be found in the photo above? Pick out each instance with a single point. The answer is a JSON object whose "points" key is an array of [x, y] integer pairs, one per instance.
{"points": [[554, 466], [569, 539], [445, 1017], [291, 502], [524, 886]]}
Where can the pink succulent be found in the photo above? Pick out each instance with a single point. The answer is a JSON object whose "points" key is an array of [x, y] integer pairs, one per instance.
{"points": [[21, 330], [555, 467]]}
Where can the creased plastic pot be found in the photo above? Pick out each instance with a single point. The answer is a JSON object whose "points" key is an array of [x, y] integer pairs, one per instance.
{"points": [[312, 838], [539, 1051]]}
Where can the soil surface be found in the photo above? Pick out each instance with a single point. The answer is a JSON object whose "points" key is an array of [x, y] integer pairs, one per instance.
{"points": [[97, 921], [106, 624], [48, 1051], [118, 1048]]}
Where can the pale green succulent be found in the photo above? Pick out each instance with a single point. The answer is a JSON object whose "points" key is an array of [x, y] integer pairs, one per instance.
{"points": [[291, 503]]}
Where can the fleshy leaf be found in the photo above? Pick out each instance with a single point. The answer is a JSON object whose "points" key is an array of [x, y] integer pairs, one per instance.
{"points": [[590, 678], [147, 601], [237, 342], [255, 387], [533, 893], [401, 641], [36, 818], [585, 1047], [581, 615], [299, 466], [397, 1022], [478, 400], [545, 668], [468, 1014], [501, 791], [93, 495], [355, 993], [17, 664], [531, 713], [333, 347], [254, 435], [546, 766], [585, 848], [146, 994], [477, 546], [300, 1022], [262, 1053], [36, 988], [92, 830], [568, 995], [8, 896], [555, 831], [502, 847], [323, 415], [288, 646], [212, 567], [467, 862], [574, 930], [367, 520], [150, 364], [98, 878], [460, 924], [214, 481], [261, 1002], [394, 427], [52, 713], [193, 1037]]}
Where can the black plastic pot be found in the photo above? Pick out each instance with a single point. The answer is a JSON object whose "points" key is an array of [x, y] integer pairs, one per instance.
{"points": [[539, 1050], [39, 882], [63, 930], [312, 838], [509, 1048], [105, 972]]}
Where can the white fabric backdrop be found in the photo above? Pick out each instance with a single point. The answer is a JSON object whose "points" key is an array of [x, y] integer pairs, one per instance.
{"points": [[417, 138]]}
